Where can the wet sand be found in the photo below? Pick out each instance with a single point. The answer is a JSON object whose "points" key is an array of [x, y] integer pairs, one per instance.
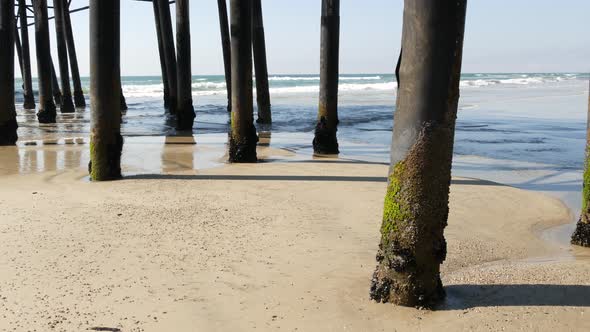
{"points": [[188, 243]]}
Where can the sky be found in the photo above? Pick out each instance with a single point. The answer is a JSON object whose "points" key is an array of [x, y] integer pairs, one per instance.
{"points": [[500, 36]]}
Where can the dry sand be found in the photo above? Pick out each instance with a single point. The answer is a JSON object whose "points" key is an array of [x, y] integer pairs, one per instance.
{"points": [[283, 246]]}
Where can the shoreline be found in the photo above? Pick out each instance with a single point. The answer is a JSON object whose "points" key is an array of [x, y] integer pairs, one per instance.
{"points": [[245, 247]]}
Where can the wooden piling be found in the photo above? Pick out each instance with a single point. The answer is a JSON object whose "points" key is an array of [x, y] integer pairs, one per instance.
{"points": [[161, 54], [29, 97], [169, 51], [185, 113], [581, 235], [123, 101], [243, 138], [46, 113], [325, 140], [79, 100], [106, 142], [260, 65], [67, 104], [8, 124], [55, 85], [226, 47], [19, 49], [416, 204]]}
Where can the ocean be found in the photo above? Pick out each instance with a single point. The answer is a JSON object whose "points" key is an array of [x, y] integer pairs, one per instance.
{"points": [[523, 129]]}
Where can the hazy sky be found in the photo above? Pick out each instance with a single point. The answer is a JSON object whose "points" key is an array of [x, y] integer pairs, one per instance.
{"points": [[501, 36]]}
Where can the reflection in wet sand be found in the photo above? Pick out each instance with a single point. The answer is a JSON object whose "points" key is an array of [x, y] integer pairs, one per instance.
{"points": [[178, 154], [43, 156], [29, 161], [141, 155], [49, 157], [264, 138], [9, 160]]}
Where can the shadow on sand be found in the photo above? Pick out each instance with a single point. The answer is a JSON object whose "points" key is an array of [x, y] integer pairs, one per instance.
{"points": [[461, 297], [320, 178]]}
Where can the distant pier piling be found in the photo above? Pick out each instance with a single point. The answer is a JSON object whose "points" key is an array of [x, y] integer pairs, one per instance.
{"points": [[29, 97], [8, 124], [226, 47], [106, 142], [243, 138], [55, 85], [19, 49], [325, 140], [260, 64], [79, 100], [47, 110], [185, 112], [169, 51], [67, 104], [161, 53], [123, 101]]}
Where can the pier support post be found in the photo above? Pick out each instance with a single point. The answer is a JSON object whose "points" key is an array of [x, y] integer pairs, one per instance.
{"points": [[226, 47], [19, 49], [161, 54], [169, 52], [243, 138], [46, 113], [124, 106], [185, 113], [260, 65], [416, 204], [581, 236], [67, 104], [79, 100], [55, 85], [29, 98], [8, 124], [325, 140], [106, 142]]}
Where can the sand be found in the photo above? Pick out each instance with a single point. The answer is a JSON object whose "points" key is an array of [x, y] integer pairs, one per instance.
{"points": [[278, 246]]}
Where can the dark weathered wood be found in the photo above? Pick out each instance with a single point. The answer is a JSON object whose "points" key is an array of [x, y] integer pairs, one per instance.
{"points": [[185, 113], [260, 65], [29, 98], [124, 106], [79, 99], [325, 140], [122, 100], [226, 47], [67, 104], [581, 236], [46, 113], [106, 142], [55, 85], [169, 51], [161, 54], [8, 124], [243, 138], [416, 204], [19, 49]]}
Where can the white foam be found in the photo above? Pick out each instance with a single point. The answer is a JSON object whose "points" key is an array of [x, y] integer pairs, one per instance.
{"points": [[143, 90], [317, 78], [209, 85], [521, 80]]}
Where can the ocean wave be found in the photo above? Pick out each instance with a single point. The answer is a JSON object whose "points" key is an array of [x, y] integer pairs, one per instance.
{"points": [[203, 87], [317, 78], [521, 80], [389, 86], [143, 90], [209, 85]]}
